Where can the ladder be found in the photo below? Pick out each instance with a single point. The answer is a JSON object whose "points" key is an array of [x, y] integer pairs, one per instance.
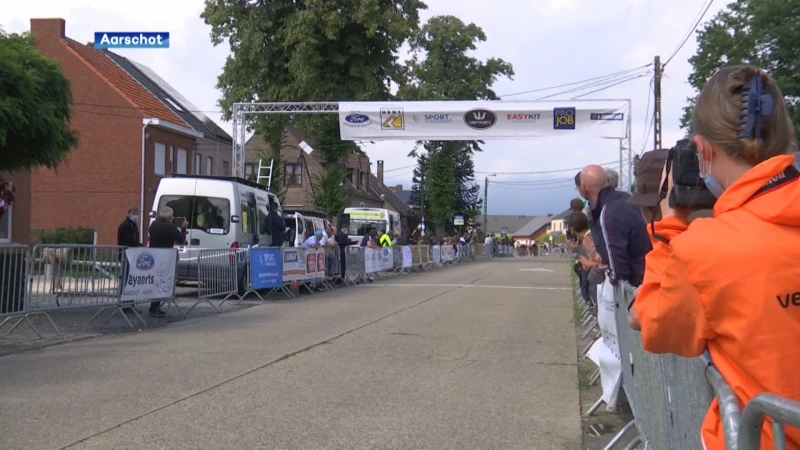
{"points": [[261, 169]]}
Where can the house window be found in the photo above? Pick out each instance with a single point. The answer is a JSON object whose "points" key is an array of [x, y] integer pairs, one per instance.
{"points": [[182, 155], [160, 159], [5, 225], [226, 169], [209, 166], [249, 169], [350, 174], [293, 174], [198, 163]]}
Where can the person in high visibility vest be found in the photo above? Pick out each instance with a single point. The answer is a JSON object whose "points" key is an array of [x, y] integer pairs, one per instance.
{"points": [[386, 240]]}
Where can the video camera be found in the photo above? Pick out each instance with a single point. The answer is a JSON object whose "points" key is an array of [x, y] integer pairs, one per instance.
{"points": [[688, 191]]}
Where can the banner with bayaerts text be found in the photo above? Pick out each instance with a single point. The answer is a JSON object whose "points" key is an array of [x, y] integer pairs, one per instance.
{"points": [[472, 120]]}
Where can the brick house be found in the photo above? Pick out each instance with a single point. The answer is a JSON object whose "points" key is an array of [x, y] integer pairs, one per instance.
{"points": [[102, 177], [301, 164]]}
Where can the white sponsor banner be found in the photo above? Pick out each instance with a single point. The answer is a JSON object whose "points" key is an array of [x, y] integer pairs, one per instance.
{"points": [[472, 120], [294, 264], [436, 253], [448, 253], [407, 259], [372, 260], [605, 352], [151, 274], [386, 258]]}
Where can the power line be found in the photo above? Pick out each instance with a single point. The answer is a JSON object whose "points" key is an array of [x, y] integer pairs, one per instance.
{"points": [[648, 116], [544, 171], [582, 88], [691, 31], [609, 86], [577, 82]]}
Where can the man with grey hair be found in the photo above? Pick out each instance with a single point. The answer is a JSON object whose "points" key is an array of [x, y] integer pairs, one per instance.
{"points": [[613, 178], [163, 234]]}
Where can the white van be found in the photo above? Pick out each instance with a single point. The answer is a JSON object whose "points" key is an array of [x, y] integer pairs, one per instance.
{"points": [[301, 227], [222, 212], [364, 219]]}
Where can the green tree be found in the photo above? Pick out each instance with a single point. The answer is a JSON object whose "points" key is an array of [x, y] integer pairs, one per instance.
{"points": [[312, 50], [35, 106], [441, 68], [759, 32]]}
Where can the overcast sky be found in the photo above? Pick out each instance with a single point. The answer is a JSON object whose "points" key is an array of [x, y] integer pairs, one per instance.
{"points": [[549, 42]]}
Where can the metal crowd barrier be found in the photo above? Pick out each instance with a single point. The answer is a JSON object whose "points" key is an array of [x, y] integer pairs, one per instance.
{"points": [[218, 275], [670, 395]]}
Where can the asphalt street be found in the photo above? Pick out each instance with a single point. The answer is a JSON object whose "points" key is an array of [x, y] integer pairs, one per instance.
{"points": [[476, 356]]}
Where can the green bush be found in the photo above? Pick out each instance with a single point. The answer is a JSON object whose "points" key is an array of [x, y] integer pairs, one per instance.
{"points": [[70, 235]]}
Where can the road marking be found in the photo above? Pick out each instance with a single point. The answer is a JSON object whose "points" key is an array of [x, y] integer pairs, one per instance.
{"points": [[538, 269], [482, 286]]}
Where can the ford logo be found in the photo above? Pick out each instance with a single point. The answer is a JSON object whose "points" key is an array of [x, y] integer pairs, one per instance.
{"points": [[480, 119], [145, 261], [356, 119]]}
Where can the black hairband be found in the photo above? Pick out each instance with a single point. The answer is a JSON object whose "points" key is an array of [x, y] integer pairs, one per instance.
{"points": [[756, 103]]}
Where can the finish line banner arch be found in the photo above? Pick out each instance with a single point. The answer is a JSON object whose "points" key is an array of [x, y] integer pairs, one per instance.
{"points": [[483, 120]]}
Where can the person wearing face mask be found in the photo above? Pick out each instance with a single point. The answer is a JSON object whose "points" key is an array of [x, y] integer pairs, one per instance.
{"points": [[128, 236], [344, 241], [725, 284]]}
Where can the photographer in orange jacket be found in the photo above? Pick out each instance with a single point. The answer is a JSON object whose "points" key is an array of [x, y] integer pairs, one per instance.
{"points": [[730, 283]]}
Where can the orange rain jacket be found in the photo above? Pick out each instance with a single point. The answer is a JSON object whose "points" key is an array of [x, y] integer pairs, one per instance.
{"points": [[732, 284]]}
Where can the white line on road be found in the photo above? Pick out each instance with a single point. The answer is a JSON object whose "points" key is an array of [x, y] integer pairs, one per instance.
{"points": [[482, 286], [538, 269]]}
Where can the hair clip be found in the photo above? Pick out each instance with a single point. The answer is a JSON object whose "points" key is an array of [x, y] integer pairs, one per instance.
{"points": [[756, 103]]}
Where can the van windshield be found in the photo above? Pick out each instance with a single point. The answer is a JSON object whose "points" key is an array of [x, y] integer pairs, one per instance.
{"points": [[362, 227], [210, 214]]}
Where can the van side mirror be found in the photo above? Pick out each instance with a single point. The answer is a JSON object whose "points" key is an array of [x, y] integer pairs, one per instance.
{"points": [[152, 214], [235, 219]]}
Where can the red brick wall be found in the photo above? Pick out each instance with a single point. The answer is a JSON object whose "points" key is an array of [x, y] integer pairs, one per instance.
{"points": [[101, 178]]}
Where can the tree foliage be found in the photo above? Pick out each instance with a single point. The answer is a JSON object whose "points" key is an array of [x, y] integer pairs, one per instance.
{"points": [[763, 33], [35, 106], [311, 50], [441, 68]]}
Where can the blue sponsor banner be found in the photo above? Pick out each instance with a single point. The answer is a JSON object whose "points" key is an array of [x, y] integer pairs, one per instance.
{"points": [[116, 39], [266, 268]]}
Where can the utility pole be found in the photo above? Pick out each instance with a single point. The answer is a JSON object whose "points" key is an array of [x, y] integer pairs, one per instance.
{"points": [[657, 101], [486, 203]]}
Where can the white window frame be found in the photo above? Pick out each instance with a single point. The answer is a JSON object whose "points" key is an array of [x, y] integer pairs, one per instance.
{"points": [[160, 149], [185, 153], [9, 217], [209, 166]]}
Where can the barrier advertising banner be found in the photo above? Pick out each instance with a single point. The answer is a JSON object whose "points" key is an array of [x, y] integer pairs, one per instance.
{"points": [[448, 253], [605, 351], [386, 258], [294, 264], [471, 120], [151, 274], [436, 253], [266, 268], [407, 258], [372, 260]]}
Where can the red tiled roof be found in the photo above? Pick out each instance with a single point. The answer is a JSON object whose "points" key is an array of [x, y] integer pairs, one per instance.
{"points": [[129, 88]]}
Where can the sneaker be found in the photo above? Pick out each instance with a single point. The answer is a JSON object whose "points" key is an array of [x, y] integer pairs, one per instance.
{"points": [[158, 314]]}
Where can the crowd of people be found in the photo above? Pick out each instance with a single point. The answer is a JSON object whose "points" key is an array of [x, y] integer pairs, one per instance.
{"points": [[708, 279]]}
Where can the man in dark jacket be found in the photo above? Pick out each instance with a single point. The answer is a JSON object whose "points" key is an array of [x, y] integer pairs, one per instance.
{"points": [[163, 234], [278, 226], [128, 236], [618, 228], [343, 239]]}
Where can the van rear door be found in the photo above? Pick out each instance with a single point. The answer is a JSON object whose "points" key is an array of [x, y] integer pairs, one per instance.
{"points": [[300, 229]]}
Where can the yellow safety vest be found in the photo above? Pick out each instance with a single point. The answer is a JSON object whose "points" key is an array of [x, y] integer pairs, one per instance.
{"points": [[386, 241]]}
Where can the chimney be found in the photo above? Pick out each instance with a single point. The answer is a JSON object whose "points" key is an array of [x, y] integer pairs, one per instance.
{"points": [[48, 29], [380, 172], [397, 188]]}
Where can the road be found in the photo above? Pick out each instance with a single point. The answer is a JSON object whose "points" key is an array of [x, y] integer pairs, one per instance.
{"points": [[477, 356]]}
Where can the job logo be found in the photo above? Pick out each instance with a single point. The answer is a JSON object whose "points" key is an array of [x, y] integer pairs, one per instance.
{"points": [[480, 119], [145, 262], [564, 118]]}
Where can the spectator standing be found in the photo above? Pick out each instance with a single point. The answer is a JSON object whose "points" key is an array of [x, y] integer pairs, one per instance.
{"points": [[369, 240], [163, 234], [618, 228], [386, 240], [613, 178], [710, 287], [313, 241], [128, 236], [278, 226], [344, 241]]}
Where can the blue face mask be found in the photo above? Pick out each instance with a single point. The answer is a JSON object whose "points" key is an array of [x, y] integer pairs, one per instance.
{"points": [[711, 183], [134, 218]]}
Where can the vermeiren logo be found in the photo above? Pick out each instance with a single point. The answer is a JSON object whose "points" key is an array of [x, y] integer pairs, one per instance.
{"points": [[356, 120], [607, 116], [115, 39], [480, 119], [564, 118], [437, 118], [145, 262], [524, 117]]}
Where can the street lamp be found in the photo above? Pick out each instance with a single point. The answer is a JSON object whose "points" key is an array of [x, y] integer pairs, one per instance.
{"points": [[486, 203]]}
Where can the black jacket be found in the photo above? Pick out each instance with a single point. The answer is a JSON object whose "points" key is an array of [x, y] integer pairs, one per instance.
{"points": [[164, 235], [278, 229], [343, 240], [620, 235], [128, 234]]}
